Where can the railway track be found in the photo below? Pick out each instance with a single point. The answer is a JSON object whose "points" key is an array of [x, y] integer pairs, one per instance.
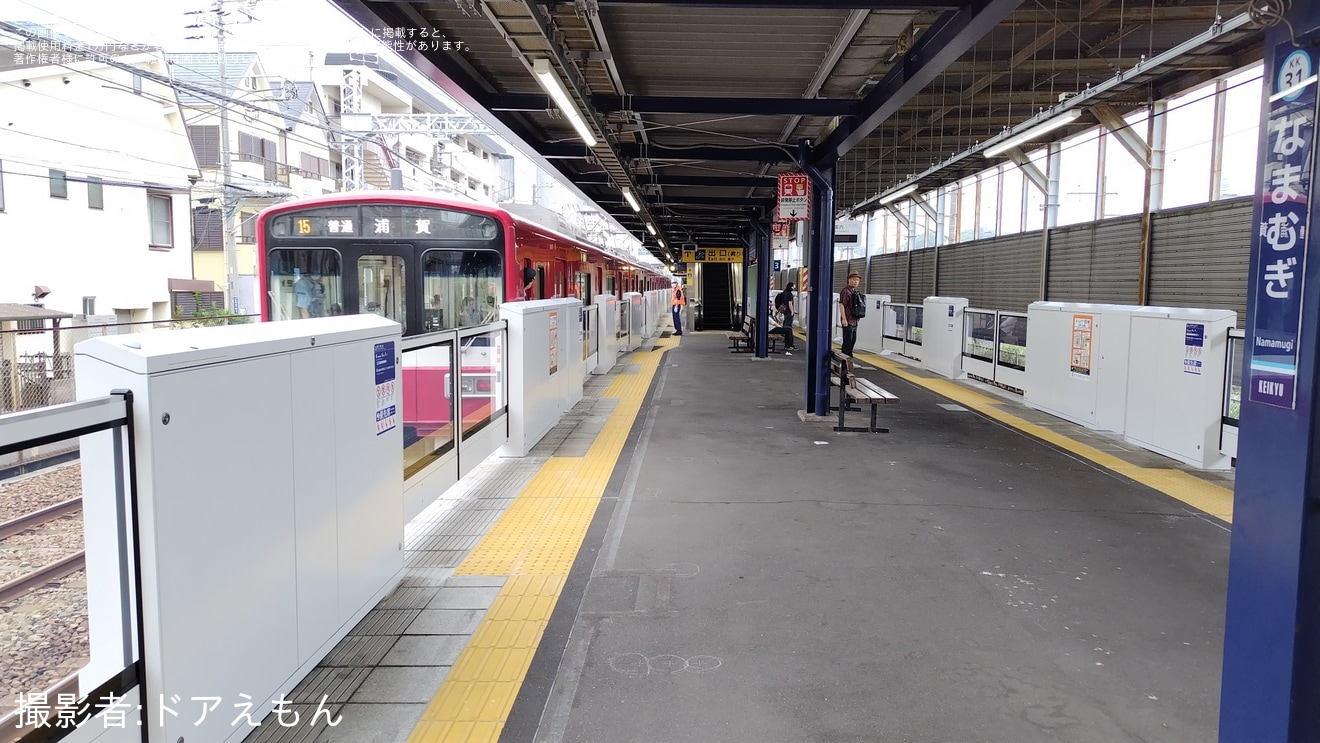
{"points": [[22, 585]]}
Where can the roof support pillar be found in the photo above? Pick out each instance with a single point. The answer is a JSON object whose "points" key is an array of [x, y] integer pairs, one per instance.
{"points": [[1116, 126], [1053, 162], [1029, 169], [1271, 678], [820, 265], [760, 299], [1152, 195]]}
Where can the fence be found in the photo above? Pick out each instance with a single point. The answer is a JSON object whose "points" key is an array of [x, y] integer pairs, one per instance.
{"points": [[36, 366]]}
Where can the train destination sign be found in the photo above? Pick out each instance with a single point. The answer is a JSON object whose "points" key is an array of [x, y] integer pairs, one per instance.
{"points": [[389, 221]]}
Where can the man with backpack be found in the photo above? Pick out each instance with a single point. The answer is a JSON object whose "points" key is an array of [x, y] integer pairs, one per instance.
{"points": [[784, 306], [852, 307]]}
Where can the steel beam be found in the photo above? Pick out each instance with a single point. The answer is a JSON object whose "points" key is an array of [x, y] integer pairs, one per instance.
{"points": [[694, 181], [1111, 121], [940, 46], [1029, 169], [726, 105], [912, 5]]}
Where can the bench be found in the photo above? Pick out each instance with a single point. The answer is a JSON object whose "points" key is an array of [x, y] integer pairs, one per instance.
{"points": [[746, 340], [853, 388]]}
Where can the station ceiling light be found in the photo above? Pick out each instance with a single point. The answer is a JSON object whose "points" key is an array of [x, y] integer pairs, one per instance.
{"points": [[900, 193], [651, 229], [545, 75], [632, 200], [1049, 125]]}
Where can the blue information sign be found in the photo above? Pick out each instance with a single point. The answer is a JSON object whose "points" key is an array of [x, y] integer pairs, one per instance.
{"points": [[386, 410], [1280, 238], [384, 362], [777, 265]]}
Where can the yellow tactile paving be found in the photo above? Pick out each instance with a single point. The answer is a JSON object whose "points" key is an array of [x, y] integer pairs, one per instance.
{"points": [[1195, 492], [534, 543]]}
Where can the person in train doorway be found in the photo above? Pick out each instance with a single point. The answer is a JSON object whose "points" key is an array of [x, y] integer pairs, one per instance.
{"points": [[676, 307], [846, 318], [529, 278], [784, 306]]}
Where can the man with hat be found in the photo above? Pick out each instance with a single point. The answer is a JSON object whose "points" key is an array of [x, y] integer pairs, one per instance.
{"points": [[846, 318]]}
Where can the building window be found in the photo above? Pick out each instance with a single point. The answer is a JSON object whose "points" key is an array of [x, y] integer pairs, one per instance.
{"points": [[95, 195], [247, 227], [162, 220], [2, 185], [59, 185], [206, 145], [137, 83]]}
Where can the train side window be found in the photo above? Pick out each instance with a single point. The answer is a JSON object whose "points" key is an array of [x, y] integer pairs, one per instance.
{"points": [[382, 287], [462, 287], [305, 283]]}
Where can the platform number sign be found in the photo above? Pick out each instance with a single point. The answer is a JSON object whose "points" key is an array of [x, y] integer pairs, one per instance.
{"points": [[386, 408], [794, 197], [1280, 239]]}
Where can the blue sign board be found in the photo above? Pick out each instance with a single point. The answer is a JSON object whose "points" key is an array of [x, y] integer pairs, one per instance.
{"points": [[777, 265], [1280, 238], [384, 362]]}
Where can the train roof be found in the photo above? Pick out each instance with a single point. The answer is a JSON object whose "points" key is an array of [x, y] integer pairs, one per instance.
{"points": [[425, 199]]}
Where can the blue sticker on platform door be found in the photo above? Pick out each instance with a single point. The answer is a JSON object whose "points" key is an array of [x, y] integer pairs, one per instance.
{"points": [[384, 362], [1279, 243], [386, 411]]}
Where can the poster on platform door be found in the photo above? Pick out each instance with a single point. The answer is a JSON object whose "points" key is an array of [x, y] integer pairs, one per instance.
{"points": [[386, 411], [1080, 361], [554, 343], [1193, 343]]}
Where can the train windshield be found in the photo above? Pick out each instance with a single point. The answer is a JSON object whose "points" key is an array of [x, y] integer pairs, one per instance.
{"points": [[462, 288], [305, 283]]}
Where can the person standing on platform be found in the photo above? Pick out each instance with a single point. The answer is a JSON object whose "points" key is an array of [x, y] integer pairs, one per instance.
{"points": [[846, 317], [784, 305], [676, 307]]}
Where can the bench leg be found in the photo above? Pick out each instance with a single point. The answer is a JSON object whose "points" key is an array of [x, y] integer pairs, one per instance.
{"points": [[845, 406], [874, 427]]}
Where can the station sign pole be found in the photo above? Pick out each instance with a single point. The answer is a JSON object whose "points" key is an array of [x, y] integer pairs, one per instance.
{"points": [[1270, 689]]}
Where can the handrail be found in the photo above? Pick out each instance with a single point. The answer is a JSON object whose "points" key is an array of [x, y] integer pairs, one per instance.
{"points": [[31, 428]]}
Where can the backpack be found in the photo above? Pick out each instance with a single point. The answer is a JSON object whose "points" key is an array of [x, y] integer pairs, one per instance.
{"points": [[858, 308], [781, 302]]}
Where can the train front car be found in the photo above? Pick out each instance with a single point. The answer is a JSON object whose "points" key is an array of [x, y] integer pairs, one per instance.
{"points": [[430, 264]]}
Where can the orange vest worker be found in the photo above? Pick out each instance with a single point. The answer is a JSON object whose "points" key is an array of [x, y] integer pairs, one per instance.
{"points": [[676, 306]]}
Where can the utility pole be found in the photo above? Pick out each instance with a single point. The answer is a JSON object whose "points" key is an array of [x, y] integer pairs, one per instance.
{"points": [[228, 204]]}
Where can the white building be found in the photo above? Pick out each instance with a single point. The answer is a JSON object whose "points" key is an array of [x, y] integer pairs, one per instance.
{"points": [[95, 169], [465, 165], [279, 148]]}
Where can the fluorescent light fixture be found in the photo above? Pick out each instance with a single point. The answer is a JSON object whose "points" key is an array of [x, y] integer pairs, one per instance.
{"points": [[650, 228], [632, 200], [662, 242], [900, 193], [1063, 119], [546, 76]]}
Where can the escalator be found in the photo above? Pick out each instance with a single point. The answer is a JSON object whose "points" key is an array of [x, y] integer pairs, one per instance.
{"points": [[717, 300]]}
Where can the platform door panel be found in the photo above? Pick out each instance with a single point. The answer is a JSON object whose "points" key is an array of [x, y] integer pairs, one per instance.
{"points": [[315, 488], [369, 474], [222, 510]]}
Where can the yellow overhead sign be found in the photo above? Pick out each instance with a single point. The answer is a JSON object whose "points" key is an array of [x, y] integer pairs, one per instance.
{"points": [[713, 255]]}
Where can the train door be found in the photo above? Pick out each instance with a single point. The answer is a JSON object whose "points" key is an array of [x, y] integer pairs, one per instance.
{"points": [[382, 279]]}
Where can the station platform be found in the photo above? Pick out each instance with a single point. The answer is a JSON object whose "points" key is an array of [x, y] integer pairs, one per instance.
{"points": [[684, 559]]}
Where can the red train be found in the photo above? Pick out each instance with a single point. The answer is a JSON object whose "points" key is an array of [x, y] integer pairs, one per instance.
{"points": [[430, 264], [427, 262]]}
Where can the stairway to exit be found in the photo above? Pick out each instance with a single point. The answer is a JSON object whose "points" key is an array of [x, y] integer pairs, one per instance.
{"points": [[717, 296]]}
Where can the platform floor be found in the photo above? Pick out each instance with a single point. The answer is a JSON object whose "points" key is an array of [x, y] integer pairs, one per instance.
{"points": [[684, 559]]}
